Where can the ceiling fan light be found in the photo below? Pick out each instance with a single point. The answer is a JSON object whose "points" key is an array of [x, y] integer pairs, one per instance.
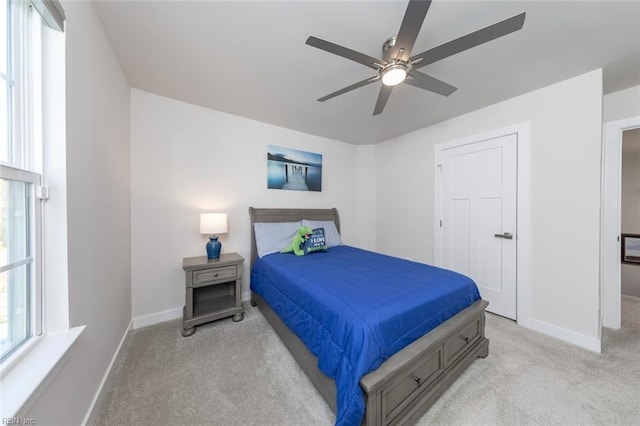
{"points": [[394, 75]]}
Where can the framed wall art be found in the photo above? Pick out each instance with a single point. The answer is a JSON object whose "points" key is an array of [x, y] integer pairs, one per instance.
{"points": [[631, 248], [293, 169]]}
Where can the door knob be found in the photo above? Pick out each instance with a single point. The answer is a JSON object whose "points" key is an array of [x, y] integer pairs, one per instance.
{"points": [[506, 236]]}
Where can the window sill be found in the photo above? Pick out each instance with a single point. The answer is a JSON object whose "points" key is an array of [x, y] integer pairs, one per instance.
{"points": [[27, 378]]}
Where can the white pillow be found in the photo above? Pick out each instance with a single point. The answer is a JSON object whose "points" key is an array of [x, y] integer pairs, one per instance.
{"points": [[273, 237], [330, 231]]}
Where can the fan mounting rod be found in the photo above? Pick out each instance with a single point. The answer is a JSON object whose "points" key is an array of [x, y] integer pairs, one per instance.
{"points": [[396, 70], [388, 44]]}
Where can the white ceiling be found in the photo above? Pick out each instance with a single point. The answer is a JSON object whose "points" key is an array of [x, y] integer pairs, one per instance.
{"points": [[250, 58]]}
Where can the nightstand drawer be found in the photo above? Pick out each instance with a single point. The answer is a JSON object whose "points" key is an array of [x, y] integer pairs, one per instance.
{"points": [[213, 275]]}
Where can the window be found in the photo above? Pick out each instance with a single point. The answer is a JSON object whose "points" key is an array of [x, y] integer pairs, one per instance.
{"points": [[20, 178]]}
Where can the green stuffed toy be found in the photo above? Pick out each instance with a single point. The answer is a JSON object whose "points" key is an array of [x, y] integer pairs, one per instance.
{"points": [[301, 236]]}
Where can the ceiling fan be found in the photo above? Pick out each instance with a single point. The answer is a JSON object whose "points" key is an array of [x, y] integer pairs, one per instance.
{"points": [[398, 66]]}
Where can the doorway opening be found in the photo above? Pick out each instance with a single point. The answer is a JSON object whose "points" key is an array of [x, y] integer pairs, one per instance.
{"points": [[620, 283], [630, 225]]}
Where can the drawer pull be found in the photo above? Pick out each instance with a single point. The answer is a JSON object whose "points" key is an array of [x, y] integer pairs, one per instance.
{"points": [[216, 275], [466, 339], [418, 380]]}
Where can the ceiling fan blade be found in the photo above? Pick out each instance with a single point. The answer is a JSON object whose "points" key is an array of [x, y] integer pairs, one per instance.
{"points": [[470, 40], [383, 97], [345, 52], [429, 83], [409, 29], [350, 88]]}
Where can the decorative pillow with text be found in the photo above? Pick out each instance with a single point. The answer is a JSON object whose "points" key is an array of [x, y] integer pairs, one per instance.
{"points": [[317, 242]]}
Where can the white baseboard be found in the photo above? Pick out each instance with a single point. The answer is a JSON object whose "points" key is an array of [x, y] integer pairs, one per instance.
{"points": [[96, 403], [156, 318], [568, 336], [168, 315]]}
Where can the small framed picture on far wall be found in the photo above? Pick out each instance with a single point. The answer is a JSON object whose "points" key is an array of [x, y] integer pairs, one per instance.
{"points": [[631, 248]]}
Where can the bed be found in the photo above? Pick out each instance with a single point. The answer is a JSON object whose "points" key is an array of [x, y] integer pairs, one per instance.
{"points": [[403, 384]]}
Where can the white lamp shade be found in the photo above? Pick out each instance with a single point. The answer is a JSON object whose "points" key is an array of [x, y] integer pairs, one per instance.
{"points": [[213, 223]]}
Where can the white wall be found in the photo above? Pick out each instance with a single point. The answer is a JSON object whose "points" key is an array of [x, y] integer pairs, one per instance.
{"points": [[366, 196], [622, 104], [186, 160], [98, 210], [566, 131], [630, 274]]}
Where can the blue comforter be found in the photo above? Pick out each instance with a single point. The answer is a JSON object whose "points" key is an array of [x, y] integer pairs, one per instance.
{"points": [[355, 308]]}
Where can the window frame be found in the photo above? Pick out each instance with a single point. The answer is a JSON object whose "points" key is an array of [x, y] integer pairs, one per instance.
{"points": [[24, 374], [24, 140]]}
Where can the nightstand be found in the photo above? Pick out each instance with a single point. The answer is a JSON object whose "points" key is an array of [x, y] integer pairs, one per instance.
{"points": [[213, 290]]}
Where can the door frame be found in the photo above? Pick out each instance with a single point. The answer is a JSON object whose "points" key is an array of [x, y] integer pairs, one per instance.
{"points": [[611, 221], [523, 213]]}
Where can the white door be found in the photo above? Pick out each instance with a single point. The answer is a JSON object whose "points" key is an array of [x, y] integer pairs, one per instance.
{"points": [[478, 217]]}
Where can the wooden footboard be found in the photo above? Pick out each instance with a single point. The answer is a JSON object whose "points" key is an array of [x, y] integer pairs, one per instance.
{"points": [[408, 383]]}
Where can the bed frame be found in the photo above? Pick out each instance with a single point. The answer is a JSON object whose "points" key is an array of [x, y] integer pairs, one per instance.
{"points": [[403, 388]]}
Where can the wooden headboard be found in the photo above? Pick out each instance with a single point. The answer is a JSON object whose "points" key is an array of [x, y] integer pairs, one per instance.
{"points": [[287, 215]]}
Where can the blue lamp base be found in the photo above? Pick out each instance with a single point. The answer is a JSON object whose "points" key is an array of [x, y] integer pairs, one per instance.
{"points": [[213, 248]]}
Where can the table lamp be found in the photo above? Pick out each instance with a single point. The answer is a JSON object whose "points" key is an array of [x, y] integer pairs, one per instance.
{"points": [[212, 224]]}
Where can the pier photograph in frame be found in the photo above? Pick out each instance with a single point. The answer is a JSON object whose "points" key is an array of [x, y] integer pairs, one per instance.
{"points": [[293, 170]]}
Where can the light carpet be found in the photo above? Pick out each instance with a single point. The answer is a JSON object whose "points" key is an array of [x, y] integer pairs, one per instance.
{"points": [[630, 317], [241, 374]]}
